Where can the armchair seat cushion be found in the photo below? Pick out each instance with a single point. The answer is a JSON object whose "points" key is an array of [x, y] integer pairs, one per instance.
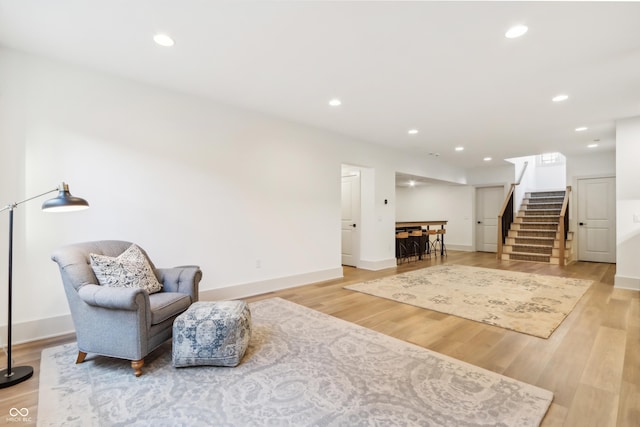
{"points": [[167, 304]]}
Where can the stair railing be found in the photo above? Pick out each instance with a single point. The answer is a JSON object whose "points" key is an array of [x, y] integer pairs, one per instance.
{"points": [[563, 226], [505, 216]]}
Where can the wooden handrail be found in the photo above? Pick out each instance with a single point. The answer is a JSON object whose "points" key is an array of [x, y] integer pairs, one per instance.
{"points": [[563, 226], [524, 168], [504, 222]]}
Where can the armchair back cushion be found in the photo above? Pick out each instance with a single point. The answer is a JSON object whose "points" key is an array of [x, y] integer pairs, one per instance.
{"points": [[74, 260], [130, 269]]}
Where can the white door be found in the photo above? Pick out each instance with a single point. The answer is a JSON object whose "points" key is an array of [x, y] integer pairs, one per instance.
{"points": [[597, 219], [350, 219], [489, 200]]}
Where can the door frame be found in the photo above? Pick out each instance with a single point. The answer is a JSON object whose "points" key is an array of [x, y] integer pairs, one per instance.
{"points": [[347, 170], [477, 213], [574, 214]]}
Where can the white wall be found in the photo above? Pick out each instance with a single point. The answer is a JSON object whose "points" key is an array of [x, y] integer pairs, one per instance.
{"points": [[12, 116], [492, 176], [627, 203], [595, 164], [591, 165], [440, 202], [190, 180], [525, 175], [551, 177]]}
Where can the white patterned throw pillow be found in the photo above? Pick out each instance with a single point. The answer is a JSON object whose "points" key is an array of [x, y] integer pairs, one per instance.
{"points": [[130, 269]]}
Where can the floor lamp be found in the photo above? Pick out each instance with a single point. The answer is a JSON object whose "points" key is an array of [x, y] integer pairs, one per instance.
{"points": [[64, 202]]}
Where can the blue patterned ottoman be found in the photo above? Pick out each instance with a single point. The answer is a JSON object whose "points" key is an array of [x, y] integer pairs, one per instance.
{"points": [[211, 333]]}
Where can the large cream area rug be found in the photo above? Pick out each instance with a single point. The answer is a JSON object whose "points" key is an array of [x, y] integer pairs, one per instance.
{"points": [[530, 303], [302, 368]]}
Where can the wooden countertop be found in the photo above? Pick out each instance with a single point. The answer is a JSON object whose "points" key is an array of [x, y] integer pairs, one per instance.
{"points": [[420, 223]]}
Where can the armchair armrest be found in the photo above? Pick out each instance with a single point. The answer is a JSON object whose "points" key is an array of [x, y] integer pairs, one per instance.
{"points": [[114, 298], [183, 279]]}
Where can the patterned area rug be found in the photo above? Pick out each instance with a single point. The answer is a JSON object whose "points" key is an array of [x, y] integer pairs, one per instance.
{"points": [[302, 368], [530, 303]]}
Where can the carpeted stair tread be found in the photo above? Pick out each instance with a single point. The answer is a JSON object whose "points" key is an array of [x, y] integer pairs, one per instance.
{"points": [[548, 193], [532, 249], [532, 233], [541, 212], [536, 223], [529, 257], [537, 226], [544, 205], [539, 218], [546, 198], [543, 241], [557, 207]]}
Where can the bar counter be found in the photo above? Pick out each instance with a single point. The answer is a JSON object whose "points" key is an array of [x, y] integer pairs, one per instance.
{"points": [[420, 224]]}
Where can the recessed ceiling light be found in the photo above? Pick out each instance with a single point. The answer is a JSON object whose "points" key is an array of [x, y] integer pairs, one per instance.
{"points": [[560, 98], [163, 40], [516, 31], [487, 159], [412, 183], [459, 148], [412, 131], [581, 128], [335, 102], [592, 145]]}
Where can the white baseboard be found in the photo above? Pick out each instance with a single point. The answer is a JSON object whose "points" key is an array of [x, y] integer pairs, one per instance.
{"points": [[377, 265], [38, 329], [271, 285], [61, 325], [630, 283], [463, 248]]}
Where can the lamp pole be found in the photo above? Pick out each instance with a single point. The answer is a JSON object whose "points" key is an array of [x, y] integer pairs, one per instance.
{"points": [[17, 374], [63, 202]]}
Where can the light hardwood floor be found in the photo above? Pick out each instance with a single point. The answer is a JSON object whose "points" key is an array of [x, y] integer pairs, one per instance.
{"points": [[591, 362]]}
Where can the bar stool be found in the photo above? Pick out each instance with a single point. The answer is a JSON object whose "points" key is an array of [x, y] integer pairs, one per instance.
{"points": [[414, 244], [431, 244], [440, 242], [402, 239], [424, 243]]}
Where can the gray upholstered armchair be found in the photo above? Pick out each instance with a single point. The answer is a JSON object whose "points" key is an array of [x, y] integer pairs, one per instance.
{"points": [[125, 323]]}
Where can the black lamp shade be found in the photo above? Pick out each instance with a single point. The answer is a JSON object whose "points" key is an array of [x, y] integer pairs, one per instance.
{"points": [[64, 202]]}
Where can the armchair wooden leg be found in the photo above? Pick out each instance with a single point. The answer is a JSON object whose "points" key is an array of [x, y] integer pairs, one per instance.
{"points": [[81, 356], [137, 367]]}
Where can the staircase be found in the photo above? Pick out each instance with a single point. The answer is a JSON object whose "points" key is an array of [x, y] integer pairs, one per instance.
{"points": [[534, 235]]}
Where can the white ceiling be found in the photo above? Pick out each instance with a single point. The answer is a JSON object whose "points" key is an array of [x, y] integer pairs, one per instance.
{"points": [[409, 180], [444, 68]]}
